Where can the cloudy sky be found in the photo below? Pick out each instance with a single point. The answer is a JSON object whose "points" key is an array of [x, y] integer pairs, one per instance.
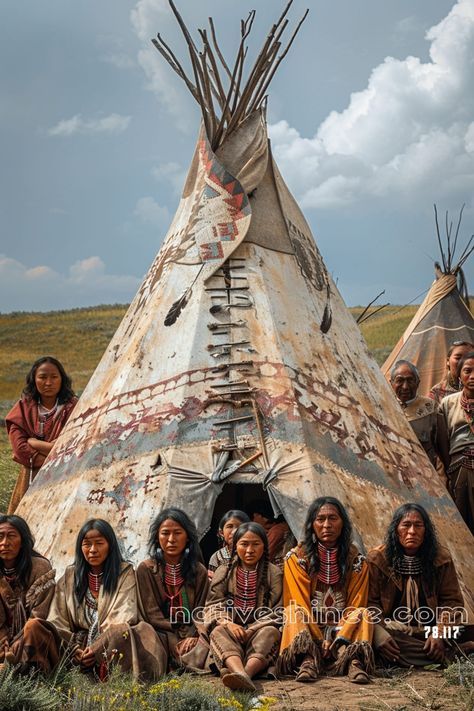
{"points": [[371, 117]]}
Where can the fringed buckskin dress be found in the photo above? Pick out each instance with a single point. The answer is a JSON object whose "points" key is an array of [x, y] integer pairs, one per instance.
{"points": [[322, 607]]}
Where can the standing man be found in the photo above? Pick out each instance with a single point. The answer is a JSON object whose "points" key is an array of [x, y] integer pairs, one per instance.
{"points": [[421, 412]]}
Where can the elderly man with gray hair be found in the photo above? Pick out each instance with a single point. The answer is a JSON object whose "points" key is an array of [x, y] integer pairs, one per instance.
{"points": [[421, 412]]}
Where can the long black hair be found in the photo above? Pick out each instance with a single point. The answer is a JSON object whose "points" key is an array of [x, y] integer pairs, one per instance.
{"points": [[23, 563], [233, 513], [192, 553], [258, 530], [30, 391], [428, 549], [310, 540], [112, 564]]}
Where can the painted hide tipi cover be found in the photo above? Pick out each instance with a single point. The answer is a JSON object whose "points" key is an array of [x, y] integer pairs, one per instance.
{"points": [[443, 318], [237, 361]]}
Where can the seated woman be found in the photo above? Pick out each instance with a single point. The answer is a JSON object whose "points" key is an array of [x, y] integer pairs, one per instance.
{"points": [[172, 583], [458, 413], [36, 421], [26, 590], [325, 590], [243, 629], [228, 525], [410, 575], [95, 608]]}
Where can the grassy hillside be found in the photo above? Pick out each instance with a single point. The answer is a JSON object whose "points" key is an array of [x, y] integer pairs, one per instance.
{"points": [[79, 337]]}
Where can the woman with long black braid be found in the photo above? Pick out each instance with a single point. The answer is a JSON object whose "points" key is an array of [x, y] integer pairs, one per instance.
{"points": [[240, 616]]}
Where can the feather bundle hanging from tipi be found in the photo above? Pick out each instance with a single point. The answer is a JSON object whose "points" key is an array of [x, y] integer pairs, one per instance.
{"points": [[237, 361]]}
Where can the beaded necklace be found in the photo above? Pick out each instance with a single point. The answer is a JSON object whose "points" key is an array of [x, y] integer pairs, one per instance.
{"points": [[175, 591], [44, 415], [246, 588], [173, 577], [95, 581], [329, 572], [409, 565], [10, 574]]}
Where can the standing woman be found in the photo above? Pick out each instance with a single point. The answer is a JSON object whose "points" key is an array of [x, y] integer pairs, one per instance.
{"points": [[36, 421], [95, 608], [26, 590], [241, 622], [450, 384], [172, 584], [458, 412], [324, 576]]}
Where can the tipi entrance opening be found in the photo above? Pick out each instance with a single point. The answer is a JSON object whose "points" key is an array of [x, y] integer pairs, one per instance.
{"points": [[233, 496]]}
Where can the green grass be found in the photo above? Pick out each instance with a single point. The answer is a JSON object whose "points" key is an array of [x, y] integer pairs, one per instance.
{"points": [[73, 691], [79, 337], [383, 330]]}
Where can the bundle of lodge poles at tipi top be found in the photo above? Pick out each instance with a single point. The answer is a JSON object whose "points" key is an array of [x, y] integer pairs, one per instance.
{"points": [[238, 370], [241, 97]]}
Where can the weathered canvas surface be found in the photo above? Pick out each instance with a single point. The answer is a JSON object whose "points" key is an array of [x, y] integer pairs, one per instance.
{"points": [[244, 372]]}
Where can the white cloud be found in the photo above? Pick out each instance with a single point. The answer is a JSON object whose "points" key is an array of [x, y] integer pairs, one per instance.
{"points": [[170, 173], [148, 210], [40, 273], [408, 134], [86, 269], [113, 50], [41, 287], [114, 123], [121, 60], [148, 17]]}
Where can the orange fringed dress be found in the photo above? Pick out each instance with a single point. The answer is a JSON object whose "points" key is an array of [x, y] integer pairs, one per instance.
{"points": [[315, 611]]}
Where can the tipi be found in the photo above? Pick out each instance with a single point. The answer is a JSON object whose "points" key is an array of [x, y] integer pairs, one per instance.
{"points": [[443, 318], [237, 367]]}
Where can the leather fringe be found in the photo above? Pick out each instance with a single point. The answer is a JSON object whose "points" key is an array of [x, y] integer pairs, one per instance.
{"points": [[303, 644], [362, 651]]}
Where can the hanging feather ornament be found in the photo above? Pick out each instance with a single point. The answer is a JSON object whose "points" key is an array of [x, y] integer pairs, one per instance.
{"points": [[176, 308], [327, 313]]}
